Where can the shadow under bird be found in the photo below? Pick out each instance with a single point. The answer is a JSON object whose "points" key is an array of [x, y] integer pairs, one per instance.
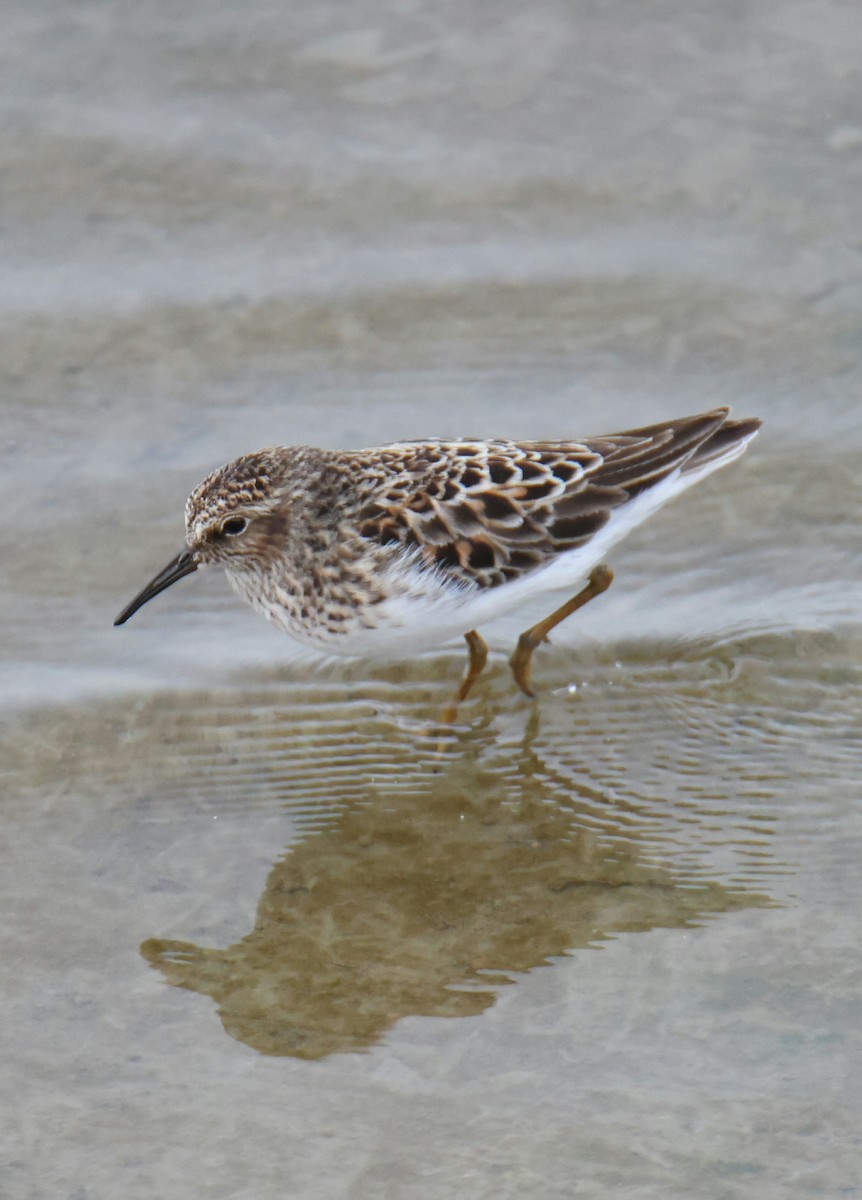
{"points": [[394, 550]]}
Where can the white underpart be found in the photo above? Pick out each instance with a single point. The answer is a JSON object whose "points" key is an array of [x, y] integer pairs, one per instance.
{"points": [[439, 609]]}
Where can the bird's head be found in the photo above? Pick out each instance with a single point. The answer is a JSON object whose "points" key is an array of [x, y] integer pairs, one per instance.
{"points": [[236, 518]]}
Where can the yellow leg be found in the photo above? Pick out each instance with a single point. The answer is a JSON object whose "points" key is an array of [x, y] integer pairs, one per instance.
{"points": [[478, 657], [521, 661]]}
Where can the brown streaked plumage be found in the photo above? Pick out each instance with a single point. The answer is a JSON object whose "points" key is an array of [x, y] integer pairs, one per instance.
{"points": [[401, 547]]}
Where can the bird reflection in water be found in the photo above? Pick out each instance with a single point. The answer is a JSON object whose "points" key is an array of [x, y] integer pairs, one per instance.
{"points": [[426, 902]]}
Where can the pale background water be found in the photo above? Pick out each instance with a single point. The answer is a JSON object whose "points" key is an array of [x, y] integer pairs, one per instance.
{"points": [[603, 946]]}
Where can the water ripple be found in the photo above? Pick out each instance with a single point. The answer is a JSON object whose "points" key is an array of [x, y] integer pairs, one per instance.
{"points": [[651, 789]]}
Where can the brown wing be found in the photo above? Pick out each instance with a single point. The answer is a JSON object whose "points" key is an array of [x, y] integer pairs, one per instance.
{"points": [[487, 512]]}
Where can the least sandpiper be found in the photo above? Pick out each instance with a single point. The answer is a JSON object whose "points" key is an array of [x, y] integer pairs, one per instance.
{"points": [[397, 549]]}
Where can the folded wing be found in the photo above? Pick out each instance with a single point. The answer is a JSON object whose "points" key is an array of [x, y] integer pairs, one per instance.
{"points": [[488, 512]]}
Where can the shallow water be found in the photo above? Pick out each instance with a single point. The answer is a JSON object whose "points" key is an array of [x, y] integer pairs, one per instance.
{"points": [[607, 944]]}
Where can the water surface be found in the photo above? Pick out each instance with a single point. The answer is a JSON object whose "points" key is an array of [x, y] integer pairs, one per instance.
{"points": [[266, 932]]}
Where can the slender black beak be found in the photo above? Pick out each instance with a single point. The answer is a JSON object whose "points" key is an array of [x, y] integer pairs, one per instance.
{"points": [[182, 565]]}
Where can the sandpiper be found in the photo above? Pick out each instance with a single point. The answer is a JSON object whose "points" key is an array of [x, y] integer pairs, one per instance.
{"points": [[397, 549]]}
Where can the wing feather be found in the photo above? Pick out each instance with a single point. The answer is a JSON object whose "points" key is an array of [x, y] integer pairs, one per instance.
{"points": [[487, 512]]}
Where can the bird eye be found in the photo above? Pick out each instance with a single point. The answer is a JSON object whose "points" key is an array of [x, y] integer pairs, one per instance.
{"points": [[233, 526]]}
